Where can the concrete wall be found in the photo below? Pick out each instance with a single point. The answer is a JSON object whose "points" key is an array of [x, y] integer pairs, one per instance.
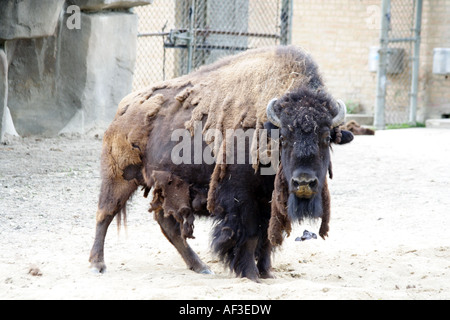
{"points": [[68, 63], [339, 34]]}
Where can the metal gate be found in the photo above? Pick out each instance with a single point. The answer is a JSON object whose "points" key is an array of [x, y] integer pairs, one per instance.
{"points": [[398, 66], [178, 36]]}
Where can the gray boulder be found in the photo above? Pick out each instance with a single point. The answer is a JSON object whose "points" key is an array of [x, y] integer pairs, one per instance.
{"points": [[73, 81], [96, 5], [28, 19]]}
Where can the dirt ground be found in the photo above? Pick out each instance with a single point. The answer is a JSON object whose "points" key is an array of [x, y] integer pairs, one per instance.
{"points": [[389, 236]]}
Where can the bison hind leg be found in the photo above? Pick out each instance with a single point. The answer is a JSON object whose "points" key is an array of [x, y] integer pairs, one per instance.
{"points": [[171, 229], [114, 194]]}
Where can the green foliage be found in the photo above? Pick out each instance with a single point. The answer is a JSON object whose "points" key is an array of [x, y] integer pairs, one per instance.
{"points": [[405, 125], [352, 107]]}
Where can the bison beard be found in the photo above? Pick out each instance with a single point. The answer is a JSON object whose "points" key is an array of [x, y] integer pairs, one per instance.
{"points": [[301, 208], [287, 208]]}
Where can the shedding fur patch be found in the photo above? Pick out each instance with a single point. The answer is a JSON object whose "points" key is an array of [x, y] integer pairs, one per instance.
{"points": [[279, 223], [171, 194], [231, 93]]}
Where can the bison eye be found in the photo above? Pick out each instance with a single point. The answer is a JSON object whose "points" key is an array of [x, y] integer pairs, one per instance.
{"points": [[327, 140], [282, 140]]}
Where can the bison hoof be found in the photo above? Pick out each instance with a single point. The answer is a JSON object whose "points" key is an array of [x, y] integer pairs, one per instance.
{"points": [[98, 267], [206, 271], [267, 275], [202, 269]]}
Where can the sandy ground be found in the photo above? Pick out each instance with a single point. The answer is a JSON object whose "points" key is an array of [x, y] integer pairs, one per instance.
{"points": [[389, 235]]}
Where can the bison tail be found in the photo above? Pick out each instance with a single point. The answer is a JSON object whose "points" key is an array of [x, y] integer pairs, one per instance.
{"points": [[122, 215]]}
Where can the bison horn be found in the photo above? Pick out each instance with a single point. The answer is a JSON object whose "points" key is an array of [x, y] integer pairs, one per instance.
{"points": [[340, 117], [271, 115]]}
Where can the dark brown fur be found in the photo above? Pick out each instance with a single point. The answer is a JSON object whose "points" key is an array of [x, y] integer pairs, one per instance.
{"points": [[171, 195], [355, 128], [279, 224]]}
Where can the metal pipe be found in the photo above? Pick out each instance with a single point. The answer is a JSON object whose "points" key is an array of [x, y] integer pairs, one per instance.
{"points": [[206, 47], [237, 33], [190, 33], [415, 65], [153, 34], [402, 40], [286, 22], [211, 31], [379, 119]]}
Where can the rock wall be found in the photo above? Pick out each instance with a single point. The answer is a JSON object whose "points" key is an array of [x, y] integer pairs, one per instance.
{"points": [[66, 71], [28, 19], [3, 87]]}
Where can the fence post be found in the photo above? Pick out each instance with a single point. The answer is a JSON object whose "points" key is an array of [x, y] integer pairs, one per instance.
{"points": [[286, 21], [379, 120], [415, 64], [190, 36]]}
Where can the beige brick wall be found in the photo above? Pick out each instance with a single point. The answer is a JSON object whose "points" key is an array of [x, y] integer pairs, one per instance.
{"points": [[434, 89], [339, 33]]}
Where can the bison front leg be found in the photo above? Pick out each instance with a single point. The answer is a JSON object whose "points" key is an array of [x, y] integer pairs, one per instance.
{"points": [[237, 236], [171, 229], [236, 248], [264, 264]]}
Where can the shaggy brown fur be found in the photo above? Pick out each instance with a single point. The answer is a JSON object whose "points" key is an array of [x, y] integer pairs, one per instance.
{"points": [[231, 93], [171, 194], [123, 146], [279, 224], [206, 92], [324, 226], [315, 110]]}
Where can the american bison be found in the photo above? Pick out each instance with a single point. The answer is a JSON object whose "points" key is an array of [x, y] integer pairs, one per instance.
{"points": [[276, 98]]}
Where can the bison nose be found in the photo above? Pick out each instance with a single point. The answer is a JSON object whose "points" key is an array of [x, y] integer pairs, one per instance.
{"points": [[304, 185], [304, 181]]}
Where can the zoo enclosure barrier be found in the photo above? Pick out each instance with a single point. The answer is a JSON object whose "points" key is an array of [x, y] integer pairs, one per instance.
{"points": [[398, 62], [178, 36]]}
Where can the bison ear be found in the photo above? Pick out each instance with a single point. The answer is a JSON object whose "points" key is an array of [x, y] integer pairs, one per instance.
{"points": [[347, 137], [339, 136], [269, 126]]}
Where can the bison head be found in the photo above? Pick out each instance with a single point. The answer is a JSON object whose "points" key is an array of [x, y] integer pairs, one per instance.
{"points": [[308, 123]]}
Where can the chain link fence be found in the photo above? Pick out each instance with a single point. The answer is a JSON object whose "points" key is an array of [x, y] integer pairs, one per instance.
{"points": [[400, 53], [178, 36], [397, 76]]}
